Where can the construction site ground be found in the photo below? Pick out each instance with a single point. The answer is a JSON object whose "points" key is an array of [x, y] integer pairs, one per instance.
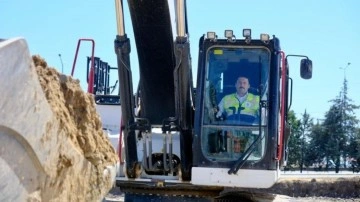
{"points": [[302, 189], [319, 189]]}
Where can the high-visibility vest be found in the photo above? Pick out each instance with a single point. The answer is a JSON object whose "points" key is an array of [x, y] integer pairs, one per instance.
{"points": [[250, 104]]}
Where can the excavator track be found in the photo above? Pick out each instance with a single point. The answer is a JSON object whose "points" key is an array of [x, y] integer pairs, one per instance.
{"points": [[144, 191], [177, 192], [187, 192]]}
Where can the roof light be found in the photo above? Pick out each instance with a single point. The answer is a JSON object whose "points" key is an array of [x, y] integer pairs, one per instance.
{"points": [[247, 33], [229, 34], [211, 35], [264, 38]]}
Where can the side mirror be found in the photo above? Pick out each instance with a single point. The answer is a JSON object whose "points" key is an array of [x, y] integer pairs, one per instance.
{"points": [[306, 69]]}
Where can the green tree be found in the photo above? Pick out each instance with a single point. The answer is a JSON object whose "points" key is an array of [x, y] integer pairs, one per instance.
{"points": [[354, 146], [316, 150], [294, 145], [305, 128], [340, 127], [333, 133], [349, 124]]}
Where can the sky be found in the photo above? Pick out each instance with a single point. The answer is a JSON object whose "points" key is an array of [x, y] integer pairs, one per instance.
{"points": [[327, 32]]}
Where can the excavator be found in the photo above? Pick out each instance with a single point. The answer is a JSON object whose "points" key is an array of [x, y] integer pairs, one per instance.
{"points": [[173, 141]]}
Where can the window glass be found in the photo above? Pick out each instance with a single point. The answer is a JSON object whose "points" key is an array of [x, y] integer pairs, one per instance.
{"points": [[236, 85], [229, 143]]}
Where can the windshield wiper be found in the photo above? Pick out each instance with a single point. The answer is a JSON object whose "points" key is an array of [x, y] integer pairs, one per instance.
{"points": [[240, 162]]}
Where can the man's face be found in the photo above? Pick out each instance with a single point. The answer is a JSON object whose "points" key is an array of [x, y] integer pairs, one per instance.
{"points": [[242, 85]]}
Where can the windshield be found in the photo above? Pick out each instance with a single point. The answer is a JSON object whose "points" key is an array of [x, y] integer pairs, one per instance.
{"points": [[235, 100]]}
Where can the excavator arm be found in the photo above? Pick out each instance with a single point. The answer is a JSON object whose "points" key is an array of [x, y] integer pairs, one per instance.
{"points": [[165, 86]]}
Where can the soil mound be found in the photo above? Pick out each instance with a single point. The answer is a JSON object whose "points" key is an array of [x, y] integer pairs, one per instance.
{"points": [[327, 187], [75, 114]]}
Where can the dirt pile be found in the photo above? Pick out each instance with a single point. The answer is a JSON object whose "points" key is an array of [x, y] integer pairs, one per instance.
{"points": [[69, 177], [327, 187], [311, 188]]}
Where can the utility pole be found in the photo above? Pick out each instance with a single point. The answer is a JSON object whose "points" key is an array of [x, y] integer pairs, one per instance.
{"points": [[62, 65], [302, 151], [342, 109], [344, 68]]}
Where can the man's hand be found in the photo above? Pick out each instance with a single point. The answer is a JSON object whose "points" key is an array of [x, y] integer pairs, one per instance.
{"points": [[219, 116]]}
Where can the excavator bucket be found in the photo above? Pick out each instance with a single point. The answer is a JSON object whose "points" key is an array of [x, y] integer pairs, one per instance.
{"points": [[39, 159]]}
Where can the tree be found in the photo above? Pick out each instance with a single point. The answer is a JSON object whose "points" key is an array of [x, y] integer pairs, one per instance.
{"points": [[306, 124], [354, 146], [340, 127], [316, 150], [349, 123], [294, 145], [337, 136], [333, 134]]}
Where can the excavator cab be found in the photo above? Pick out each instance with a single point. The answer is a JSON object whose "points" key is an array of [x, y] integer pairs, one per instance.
{"points": [[237, 138], [224, 65]]}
